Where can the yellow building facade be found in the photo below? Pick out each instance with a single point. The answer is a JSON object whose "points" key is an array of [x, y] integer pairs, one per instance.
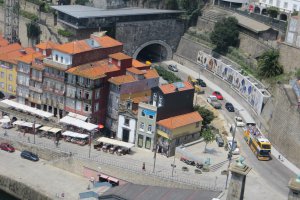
{"points": [[8, 78]]}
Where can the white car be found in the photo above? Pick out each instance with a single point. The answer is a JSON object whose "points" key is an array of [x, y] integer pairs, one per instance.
{"points": [[239, 122], [234, 146]]}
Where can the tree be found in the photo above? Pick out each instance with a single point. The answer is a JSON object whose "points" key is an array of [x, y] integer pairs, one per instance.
{"points": [[225, 34], [208, 137], [33, 30], [273, 12], [268, 65], [206, 114], [172, 5]]}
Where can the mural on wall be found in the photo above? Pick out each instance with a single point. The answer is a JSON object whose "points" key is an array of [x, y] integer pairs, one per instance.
{"points": [[254, 96]]}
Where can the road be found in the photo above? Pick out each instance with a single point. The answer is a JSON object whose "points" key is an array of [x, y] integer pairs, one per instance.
{"points": [[272, 172]]}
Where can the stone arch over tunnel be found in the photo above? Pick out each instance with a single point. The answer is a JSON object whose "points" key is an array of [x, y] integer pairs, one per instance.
{"points": [[154, 51]]}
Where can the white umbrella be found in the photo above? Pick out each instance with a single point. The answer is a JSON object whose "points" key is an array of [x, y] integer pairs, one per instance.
{"points": [[4, 120]]}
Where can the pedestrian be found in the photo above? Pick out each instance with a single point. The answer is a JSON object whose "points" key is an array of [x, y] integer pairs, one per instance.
{"points": [[62, 195], [144, 167], [279, 157]]}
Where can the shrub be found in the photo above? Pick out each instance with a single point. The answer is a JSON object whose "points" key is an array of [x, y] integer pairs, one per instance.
{"points": [[29, 15], [167, 75], [65, 33]]}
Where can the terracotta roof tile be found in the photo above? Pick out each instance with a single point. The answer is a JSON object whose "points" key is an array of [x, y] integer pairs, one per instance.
{"points": [[119, 56], [181, 86], [93, 70], [46, 45], [136, 71], [180, 120], [151, 73], [140, 99], [13, 56], [106, 41], [10, 48], [119, 80], [73, 47], [3, 42], [138, 64], [29, 58]]}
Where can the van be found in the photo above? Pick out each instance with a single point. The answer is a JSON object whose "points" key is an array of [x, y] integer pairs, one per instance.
{"points": [[219, 140]]}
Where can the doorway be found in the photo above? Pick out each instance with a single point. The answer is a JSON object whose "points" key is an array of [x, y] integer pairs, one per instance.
{"points": [[125, 137]]}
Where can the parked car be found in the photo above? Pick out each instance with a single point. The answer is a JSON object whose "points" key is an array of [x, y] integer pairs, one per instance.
{"points": [[201, 82], [106, 147], [7, 147], [218, 95], [219, 140], [233, 146], [122, 151], [213, 101], [29, 155], [173, 68], [229, 107], [239, 122]]}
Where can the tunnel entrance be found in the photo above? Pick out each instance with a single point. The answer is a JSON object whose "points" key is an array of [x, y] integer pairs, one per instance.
{"points": [[153, 53]]}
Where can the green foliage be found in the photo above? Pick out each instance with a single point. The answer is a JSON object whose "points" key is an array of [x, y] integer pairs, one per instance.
{"points": [[45, 7], [268, 65], [192, 8], [273, 12], [208, 136], [29, 15], [1, 2], [172, 5], [298, 74], [225, 34], [37, 2], [295, 13], [81, 2], [65, 33], [33, 30], [167, 75], [206, 114]]}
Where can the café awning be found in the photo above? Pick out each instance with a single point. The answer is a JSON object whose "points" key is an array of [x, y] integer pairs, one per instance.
{"points": [[54, 130], [78, 123], [77, 116], [74, 134], [45, 128], [115, 142]]}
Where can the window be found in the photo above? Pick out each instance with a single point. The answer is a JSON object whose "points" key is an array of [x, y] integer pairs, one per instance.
{"points": [[86, 107], [160, 101], [142, 126], [294, 7], [10, 88], [271, 2], [148, 143], [197, 124], [140, 140], [177, 142], [56, 57], [98, 94], [278, 3], [10, 77], [96, 107], [61, 59], [151, 116], [143, 113], [285, 4], [2, 74], [150, 128], [2, 85], [126, 121]]}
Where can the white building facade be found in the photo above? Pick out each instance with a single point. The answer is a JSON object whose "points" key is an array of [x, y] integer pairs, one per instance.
{"points": [[126, 126]]}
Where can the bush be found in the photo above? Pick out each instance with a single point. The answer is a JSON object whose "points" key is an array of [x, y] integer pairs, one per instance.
{"points": [[1, 2], [273, 12], [268, 64], [29, 15], [206, 114], [167, 75], [65, 33]]}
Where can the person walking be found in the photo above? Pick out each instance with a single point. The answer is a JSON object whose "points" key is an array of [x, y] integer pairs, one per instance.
{"points": [[144, 167]]}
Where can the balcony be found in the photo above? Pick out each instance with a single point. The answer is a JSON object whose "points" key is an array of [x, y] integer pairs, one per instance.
{"points": [[48, 88], [24, 95], [53, 76], [35, 100], [57, 65], [25, 71], [36, 89], [59, 92], [71, 96], [35, 78], [44, 101], [20, 82]]}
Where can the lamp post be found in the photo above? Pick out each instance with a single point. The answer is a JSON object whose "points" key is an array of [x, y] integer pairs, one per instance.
{"points": [[154, 157], [230, 151], [33, 127]]}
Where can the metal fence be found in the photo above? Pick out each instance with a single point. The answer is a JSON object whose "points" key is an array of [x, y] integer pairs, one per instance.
{"points": [[127, 164]]}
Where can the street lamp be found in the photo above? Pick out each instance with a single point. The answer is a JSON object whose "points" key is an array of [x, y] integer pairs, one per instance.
{"points": [[33, 127], [230, 151]]}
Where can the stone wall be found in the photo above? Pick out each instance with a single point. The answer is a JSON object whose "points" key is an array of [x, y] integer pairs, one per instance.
{"points": [[289, 57], [252, 46], [135, 34], [205, 25], [20, 190], [279, 120]]}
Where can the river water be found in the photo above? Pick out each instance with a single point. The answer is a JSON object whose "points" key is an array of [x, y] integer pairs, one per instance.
{"points": [[5, 196]]}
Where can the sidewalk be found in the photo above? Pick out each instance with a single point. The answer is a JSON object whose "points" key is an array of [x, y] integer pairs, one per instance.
{"points": [[244, 113]]}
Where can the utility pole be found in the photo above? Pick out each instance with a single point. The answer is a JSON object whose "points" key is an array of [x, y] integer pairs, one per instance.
{"points": [[154, 157], [33, 127], [230, 151]]}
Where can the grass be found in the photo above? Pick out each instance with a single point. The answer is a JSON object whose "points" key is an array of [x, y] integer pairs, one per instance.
{"points": [[167, 75], [65, 33], [201, 37], [29, 15]]}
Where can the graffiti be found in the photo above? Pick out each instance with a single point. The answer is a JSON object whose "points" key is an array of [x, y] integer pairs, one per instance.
{"points": [[244, 85]]}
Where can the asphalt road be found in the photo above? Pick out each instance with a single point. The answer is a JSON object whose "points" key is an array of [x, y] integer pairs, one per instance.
{"points": [[272, 172]]}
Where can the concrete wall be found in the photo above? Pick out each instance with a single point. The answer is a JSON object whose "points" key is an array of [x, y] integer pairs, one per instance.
{"points": [[279, 120], [289, 57], [20, 190]]}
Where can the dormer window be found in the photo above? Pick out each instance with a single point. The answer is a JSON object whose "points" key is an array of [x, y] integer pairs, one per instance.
{"points": [[160, 101], [119, 63], [110, 60], [56, 57], [61, 59]]}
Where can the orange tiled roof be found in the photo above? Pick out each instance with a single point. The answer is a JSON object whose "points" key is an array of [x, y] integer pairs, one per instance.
{"points": [[138, 64], [170, 88], [106, 41], [3, 42], [93, 70], [119, 56], [73, 47], [119, 80], [140, 99], [10, 48], [136, 71], [46, 45], [13, 56], [151, 73], [180, 120], [29, 57]]}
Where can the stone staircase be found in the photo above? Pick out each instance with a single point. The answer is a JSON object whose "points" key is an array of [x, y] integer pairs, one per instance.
{"points": [[213, 15]]}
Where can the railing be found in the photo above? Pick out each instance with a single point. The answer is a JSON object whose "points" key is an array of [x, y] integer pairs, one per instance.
{"points": [[34, 100], [23, 95], [50, 62], [40, 79], [22, 83], [47, 88], [53, 76], [36, 89]]}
